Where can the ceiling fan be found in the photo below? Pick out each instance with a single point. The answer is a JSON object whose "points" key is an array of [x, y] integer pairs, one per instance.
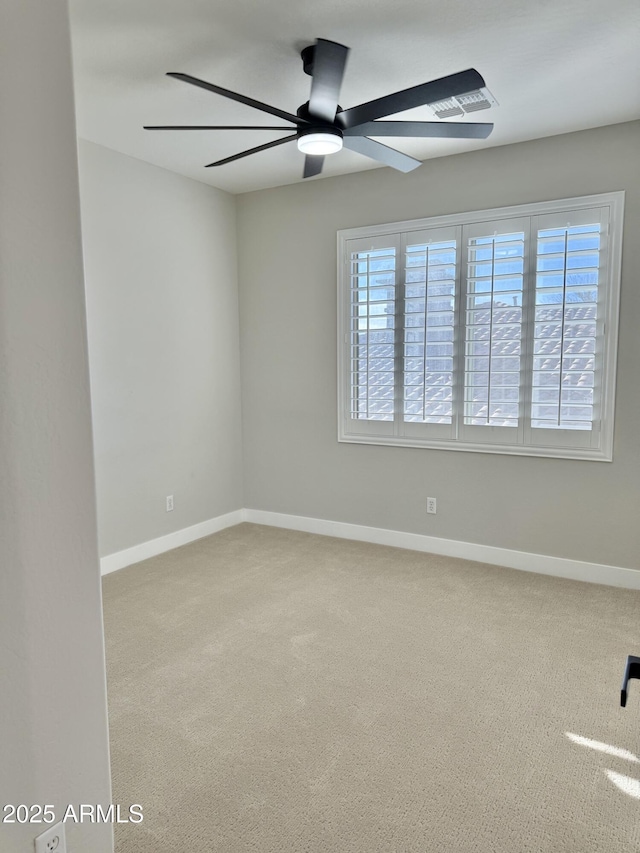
{"points": [[322, 127]]}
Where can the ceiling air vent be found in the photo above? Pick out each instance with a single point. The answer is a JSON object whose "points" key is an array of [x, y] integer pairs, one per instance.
{"points": [[470, 102]]}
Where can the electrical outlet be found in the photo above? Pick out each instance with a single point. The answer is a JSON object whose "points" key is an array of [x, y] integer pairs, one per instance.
{"points": [[169, 503], [52, 841], [431, 506]]}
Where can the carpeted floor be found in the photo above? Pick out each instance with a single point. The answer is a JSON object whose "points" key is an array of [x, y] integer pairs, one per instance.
{"points": [[280, 692]]}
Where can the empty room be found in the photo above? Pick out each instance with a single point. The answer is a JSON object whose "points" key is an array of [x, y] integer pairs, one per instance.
{"points": [[319, 445]]}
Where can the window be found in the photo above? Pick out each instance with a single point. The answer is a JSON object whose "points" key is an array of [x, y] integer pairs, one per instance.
{"points": [[493, 331]]}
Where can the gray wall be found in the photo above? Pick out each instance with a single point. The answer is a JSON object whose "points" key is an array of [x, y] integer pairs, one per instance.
{"points": [[287, 272], [160, 263], [53, 726]]}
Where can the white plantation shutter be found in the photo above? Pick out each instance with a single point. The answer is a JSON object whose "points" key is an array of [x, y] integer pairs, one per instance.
{"points": [[429, 321], [371, 334], [568, 327], [492, 331]]}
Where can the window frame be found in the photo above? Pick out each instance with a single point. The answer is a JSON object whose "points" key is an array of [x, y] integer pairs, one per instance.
{"points": [[362, 431]]}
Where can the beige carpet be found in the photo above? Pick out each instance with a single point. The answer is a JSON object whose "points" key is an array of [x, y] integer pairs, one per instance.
{"points": [[279, 692]]}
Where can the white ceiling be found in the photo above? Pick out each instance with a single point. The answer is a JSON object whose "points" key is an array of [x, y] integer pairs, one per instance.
{"points": [[553, 65]]}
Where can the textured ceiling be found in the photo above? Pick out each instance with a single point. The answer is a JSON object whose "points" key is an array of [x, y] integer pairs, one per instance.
{"points": [[553, 65]]}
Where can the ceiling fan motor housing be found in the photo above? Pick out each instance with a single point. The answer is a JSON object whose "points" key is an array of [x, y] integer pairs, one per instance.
{"points": [[327, 135], [325, 129], [303, 112]]}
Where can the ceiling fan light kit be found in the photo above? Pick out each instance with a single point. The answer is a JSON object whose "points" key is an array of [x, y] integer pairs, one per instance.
{"points": [[320, 142], [322, 127]]}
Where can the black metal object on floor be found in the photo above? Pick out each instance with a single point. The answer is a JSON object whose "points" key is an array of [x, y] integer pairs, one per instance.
{"points": [[632, 670]]}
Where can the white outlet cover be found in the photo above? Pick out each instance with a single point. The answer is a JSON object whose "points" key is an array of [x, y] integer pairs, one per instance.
{"points": [[52, 841]]}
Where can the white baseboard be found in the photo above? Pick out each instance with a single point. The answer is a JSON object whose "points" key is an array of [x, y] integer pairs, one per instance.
{"points": [[523, 560], [167, 543]]}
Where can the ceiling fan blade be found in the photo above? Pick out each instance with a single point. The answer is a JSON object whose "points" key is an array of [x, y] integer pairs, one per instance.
{"points": [[431, 129], [234, 96], [381, 153], [416, 96], [312, 165], [253, 151], [212, 127], [329, 62]]}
